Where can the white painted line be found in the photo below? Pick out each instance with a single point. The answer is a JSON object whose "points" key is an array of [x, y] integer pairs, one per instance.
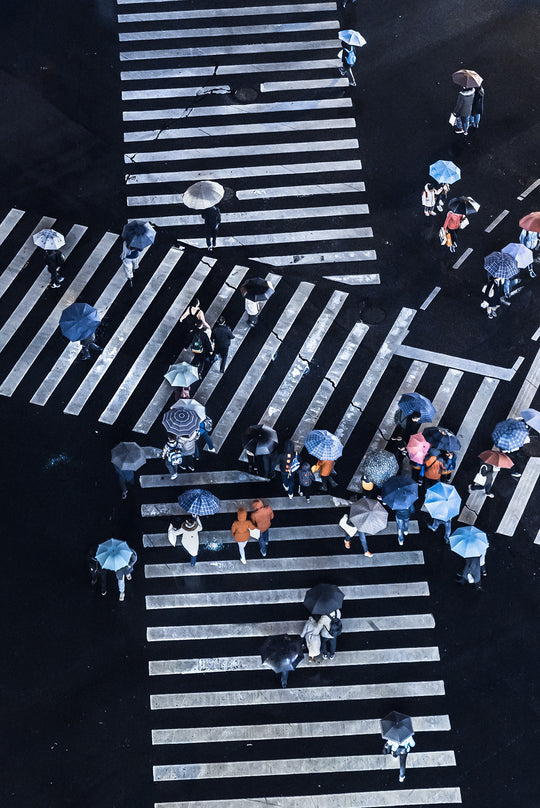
{"points": [[237, 109], [443, 395], [245, 171], [151, 93], [357, 799], [529, 190], [462, 258], [188, 71], [329, 211], [537, 540], [303, 190], [243, 129], [457, 362], [473, 415], [521, 496], [354, 280], [220, 13], [222, 50], [232, 505], [9, 222], [304, 259], [295, 237], [23, 256], [235, 30], [430, 298], [304, 84], [518, 363], [198, 479], [496, 221], [49, 327], [241, 151]]}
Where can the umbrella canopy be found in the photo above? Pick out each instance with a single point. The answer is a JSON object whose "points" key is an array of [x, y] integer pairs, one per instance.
{"points": [[400, 492], [532, 418], [128, 456], [415, 402], [257, 289], [260, 439], [442, 439], [199, 502], [445, 171], [323, 599], [442, 501], [522, 254], [494, 458], [182, 375], [531, 221], [469, 542], [181, 421], [281, 653], [352, 37], [464, 205], [368, 515], [377, 467], [467, 78], [396, 727], [113, 554], [323, 445], [417, 448], [532, 448], [138, 235], [191, 404], [202, 195], [48, 239], [510, 435], [501, 265], [78, 321]]}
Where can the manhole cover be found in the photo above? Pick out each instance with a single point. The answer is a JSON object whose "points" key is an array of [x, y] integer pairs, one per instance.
{"points": [[372, 315], [245, 95]]}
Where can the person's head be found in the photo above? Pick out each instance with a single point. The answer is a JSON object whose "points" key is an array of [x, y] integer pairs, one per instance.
{"points": [[220, 320], [428, 186], [305, 466], [195, 304], [242, 514], [257, 503], [190, 522], [415, 416], [171, 438]]}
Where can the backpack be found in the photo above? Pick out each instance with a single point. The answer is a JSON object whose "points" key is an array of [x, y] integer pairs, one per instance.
{"points": [[351, 57], [197, 344], [336, 627]]}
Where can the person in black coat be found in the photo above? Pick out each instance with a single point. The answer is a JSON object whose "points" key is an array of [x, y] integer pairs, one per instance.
{"points": [[462, 110], [201, 348], [212, 218], [477, 107], [222, 336], [55, 260]]}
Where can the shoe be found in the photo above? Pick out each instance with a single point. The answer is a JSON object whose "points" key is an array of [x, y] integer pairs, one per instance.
{"points": [[459, 132], [85, 355], [325, 656], [491, 496], [213, 450], [263, 554], [432, 213], [60, 279], [191, 468], [131, 281], [516, 474], [124, 494], [174, 476], [400, 541], [368, 554], [243, 560], [484, 574], [347, 543], [532, 273], [332, 657], [308, 499], [122, 596], [430, 527], [506, 301], [54, 285], [405, 532], [104, 593], [401, 778], [128, 577], [285, 487], [291, 496]]}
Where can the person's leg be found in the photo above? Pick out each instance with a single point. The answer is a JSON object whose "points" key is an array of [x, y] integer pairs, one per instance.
{"points": [[284, 678], [402, 763], [223, 360], [324, 647], [363, 542], [263, 541], [122, 587], [193, 560], [207, 439], [332, 642], [122, 481], [465, 124], [447, 530], [399, 523], [434, 524], [170, 468], [102, 575], [242, 550]]}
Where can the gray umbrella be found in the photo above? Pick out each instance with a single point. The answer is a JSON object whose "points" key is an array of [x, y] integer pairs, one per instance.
{"points": [[368, 515], [128, 456]]}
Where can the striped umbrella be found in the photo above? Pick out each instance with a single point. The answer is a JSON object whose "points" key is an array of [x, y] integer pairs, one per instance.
{"points": [[181, 421], [510, 435], [199, 502]]}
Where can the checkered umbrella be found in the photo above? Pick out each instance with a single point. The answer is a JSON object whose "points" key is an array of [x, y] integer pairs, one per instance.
{"points": [[442, 501], [501, 265], [522, 254], [415, 402], [377, 467], [510, 435], [442, 439], [181, 421], [199, 502], [323, 445]]}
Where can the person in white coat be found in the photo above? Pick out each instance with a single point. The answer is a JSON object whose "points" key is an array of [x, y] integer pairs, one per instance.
{"points": [[189, 532], [429, 195], [312, 634]]}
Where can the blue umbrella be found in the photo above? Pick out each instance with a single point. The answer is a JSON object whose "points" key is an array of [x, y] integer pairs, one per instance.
{"points": [[442, 439], [399, 492], [378, 467], [415, 402], [199, 502], [113, 554], [78, 321], [442, 501], [352, 37], [138, 235], [181, 421], [510, 435], [522, 254], [323, 445], [445, 171], [532, 418], [469, 542], [501, 265]]}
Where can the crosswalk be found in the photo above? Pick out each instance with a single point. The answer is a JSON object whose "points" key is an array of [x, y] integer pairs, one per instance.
{"points": [[258, 104]]}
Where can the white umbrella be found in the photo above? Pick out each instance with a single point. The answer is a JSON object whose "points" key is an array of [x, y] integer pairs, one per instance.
{"points": [[352, 37], [49, 239], [202, 195], [191, 404]]}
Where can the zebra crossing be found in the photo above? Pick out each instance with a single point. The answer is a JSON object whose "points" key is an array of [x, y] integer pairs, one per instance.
{"points": [[293, 118]]}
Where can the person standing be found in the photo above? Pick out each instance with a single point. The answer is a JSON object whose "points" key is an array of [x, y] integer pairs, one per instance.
{"points": [[212, 219], [97, 572], [172, 455], [88, 345], [442, 192], [400, 750], [189, 532], [463, 110], [477, 109], [289, 465], [311, 633], [326, 473], [222, 336], [124, 574], [130, 261], [429, 197], [483, 480], [241, 531], [330, 628], [261, 516], [55, 261], [306, 479]]}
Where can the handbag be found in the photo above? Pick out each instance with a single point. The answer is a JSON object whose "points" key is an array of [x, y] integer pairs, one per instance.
{"points": [[295, 465], [254, 532], [347, 526], [452, 119], [442, 239], [463, 223]]}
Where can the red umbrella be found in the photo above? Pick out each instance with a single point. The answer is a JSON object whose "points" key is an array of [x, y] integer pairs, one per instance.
{"points": [[418, 447], [467, 78], [531, 221], [494, 458]]}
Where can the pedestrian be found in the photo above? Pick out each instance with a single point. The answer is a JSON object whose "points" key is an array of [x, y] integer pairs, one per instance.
{"points": [[88, 344], [452, 224], [477, 107], [492, 296], [306, 478], [130, 261], [222, 336], [188, 447], [125, 477], [400, 749], [348, 60], [448, 460], [253, 307], [531, 240], [519, 460], [192, 314], [97, 572], [436, 523], [407, 424], [189, 531], [201, 348], [241, 530], [402, 521], [463, 110], [205, 429], [429, 197], [311, 633], [351, 530], [326, 473], [483, 480], [212, 219], [268, 462], [172, 455], [330, 628], [124, 574], [288, 465], [442, 192], [432, 469], [261, 516], [473, 571], [55, 261]]}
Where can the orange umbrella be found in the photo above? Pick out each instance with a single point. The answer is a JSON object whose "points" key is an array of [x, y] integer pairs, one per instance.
{"points": [[498, 459], [531, 221]]}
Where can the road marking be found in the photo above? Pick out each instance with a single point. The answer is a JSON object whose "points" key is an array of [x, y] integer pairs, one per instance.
{"points": [[281, 238], [473, 415], [228, 70], [462, 258], [356, 799], [266, 215], [529, 190], [23, 256], [9, 222], [496, 221], [244, 129], [245, 171], [520, 497], [232, 505], [303, 84], [237, 109], [220, 13], [240, 151], [302, 259], [430, 298], [467, 365], [198, 478], [537, 540], [223, 50], [443, 395], [355, 280], [303, 190], [235, 30]]}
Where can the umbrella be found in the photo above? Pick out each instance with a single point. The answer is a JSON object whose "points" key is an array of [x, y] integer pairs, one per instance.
{"points": [[501, 265], [323, 599], [138, 235], [281, 653], [445, 171], [368, 515], [181, 421], [399, 492], [352, 37], [202, 195], [532, 418], [182, 375], [199, 502], [464, 205], [417, 448], [396, 727], [260, 439], [323, 445], [377, 467], [522, 254], [469, 542], [531, 222], [48, 239], [442, 501], [415, 402], [113, 554], [532, 448], [191, 404], [128, 456], [78, 321], [442, 439], [467, 78], [498, 459], [510, 435], [257, 289]]}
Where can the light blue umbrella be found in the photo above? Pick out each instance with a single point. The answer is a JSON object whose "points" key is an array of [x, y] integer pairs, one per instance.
{"points": [[323, 445], [532, 418], [352, 37], [199, 502], [442, 501], [522, 255], [445, 171], [399, 492], [113, 554], [510, 435], [415, 402], [469, 542]]}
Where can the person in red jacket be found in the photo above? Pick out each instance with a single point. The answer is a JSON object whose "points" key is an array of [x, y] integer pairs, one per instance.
{"points": [[262, 516], [452, 223]]}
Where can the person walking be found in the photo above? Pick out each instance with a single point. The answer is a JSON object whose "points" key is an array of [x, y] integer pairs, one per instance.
{"points": [[261, 516], [451, 225], [492, 296], [311, 633], [330, 628], [89, 346], [201, 348], [205, 429], [432, 469], [448, 459], [130, 261], [306, 479], [188, 447], [402, 521], [222, 336], [124, 574], [97, 573], [192, 314], [288, 465], [241, 531], [406, 425], [351, 530], [472, 572], [326, 473], [429, 197], [348, 60], [400, 749], [436, 523], [172, 455], [477, 109], [125, 477], [212, 219], [463, 110], [55, 261], [483, 480], [189, 532]]}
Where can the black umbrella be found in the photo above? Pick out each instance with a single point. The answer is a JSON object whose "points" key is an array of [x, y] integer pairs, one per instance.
{"points": [[464, 205], [442, 439], [396, 727], [323, 599], [282, 653], [259, 439], [257, 289]]}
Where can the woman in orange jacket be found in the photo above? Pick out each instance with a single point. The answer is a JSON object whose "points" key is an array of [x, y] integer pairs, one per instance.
{"points": [[326, 472], [241, 531], [433, 467]]}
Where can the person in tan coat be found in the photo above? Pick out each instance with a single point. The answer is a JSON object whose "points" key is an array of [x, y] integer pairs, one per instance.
{"points": [[241, 531], [326, 473], [262, 516]]}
